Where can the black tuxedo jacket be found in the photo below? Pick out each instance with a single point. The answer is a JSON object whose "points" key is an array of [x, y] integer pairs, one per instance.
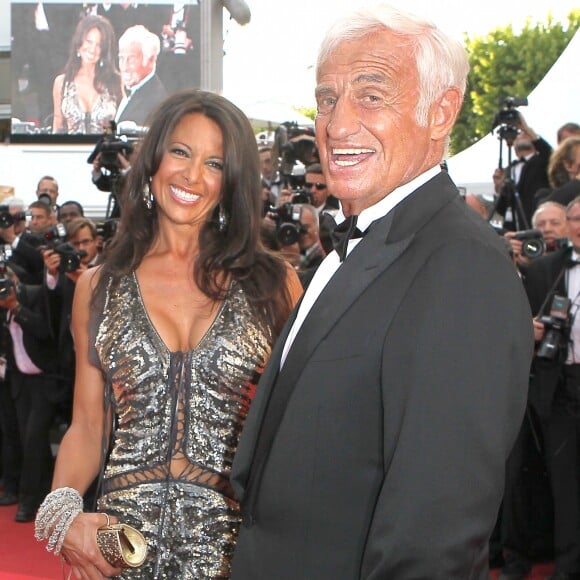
{"points": [[144, 101], [534, 176], [36, 335], [59, 303], [378, 451], [546, 275], [29, 259]]}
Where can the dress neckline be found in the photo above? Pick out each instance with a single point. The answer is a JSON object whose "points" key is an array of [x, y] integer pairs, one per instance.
{"points": [[156, 332]]}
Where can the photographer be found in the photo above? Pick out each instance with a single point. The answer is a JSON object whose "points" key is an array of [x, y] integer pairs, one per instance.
{"points": [[527, 173], [111, 161], [65, 262], [295, 148], [47, 189], [69, 211], [549, 233], [552, 283], [13, 233], [31, 376], [311, 250], [42, 217], [269, 176]]}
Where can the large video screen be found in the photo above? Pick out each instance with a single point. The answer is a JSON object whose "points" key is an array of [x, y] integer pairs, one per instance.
{"points": [[76, 68]]}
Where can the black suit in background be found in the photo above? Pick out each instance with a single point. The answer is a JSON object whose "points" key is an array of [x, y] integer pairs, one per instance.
{"points": [[59, 314], [398, 403], [29, 260], [533, 176], [559, 417], [143, 101], [37, 397]]}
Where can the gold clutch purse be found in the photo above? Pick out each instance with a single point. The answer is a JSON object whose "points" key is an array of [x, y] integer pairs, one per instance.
{"points": [[122, 546]]}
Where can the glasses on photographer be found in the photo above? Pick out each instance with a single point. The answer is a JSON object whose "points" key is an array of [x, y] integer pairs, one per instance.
{"points": [[318, 185], [83, 243]]}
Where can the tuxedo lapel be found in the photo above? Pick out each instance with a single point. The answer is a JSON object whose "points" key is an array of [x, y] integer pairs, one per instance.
{"points": [[385, 241], [367, 261], [253, 424]]}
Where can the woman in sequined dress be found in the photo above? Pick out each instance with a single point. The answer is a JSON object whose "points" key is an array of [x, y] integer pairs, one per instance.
{"points": [[183, 314], [87, 93]]}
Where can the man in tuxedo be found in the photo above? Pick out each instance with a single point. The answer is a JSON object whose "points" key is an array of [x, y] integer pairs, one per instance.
{"points": [[555, 396], [62, 272], [34, 386], [138, 51], [322, 200], [376, 444], [528, 173]]}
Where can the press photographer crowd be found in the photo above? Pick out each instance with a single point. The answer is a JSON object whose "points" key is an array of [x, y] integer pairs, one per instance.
{"points": [[49, 243]]}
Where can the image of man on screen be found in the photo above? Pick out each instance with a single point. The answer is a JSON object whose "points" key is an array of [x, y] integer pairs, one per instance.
{"points": [[138, 52]]}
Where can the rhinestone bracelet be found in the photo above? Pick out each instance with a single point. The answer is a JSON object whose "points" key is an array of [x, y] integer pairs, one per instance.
{"points": [[55, 516]]}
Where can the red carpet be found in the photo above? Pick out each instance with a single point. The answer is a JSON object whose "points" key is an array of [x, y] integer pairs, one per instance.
{"points": [[23, 558]]}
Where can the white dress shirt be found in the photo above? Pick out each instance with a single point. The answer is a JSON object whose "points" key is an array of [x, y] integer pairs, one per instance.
{"points": [[573, 290], [332, 263]]}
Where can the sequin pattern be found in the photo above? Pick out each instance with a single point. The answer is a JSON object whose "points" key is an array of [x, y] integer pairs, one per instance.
{"points": [[77, 120], [176, 408]]}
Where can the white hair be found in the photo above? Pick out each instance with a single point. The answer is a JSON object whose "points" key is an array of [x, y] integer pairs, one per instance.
{"points": [[441, 60], [15, 203], [149, 42], [547, 205]]}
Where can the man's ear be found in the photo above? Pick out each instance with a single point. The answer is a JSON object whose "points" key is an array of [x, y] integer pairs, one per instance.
{"points": [[444, 112]]}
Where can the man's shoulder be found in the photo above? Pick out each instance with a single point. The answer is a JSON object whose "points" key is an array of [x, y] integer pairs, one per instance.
{"points": [[154, 86]]}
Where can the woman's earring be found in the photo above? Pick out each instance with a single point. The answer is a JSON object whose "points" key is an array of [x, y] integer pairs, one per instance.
{"points": [[78, 54], [148, 198], [101, 63], [222, 219]]}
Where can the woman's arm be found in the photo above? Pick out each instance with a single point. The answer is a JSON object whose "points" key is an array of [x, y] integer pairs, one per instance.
{"points": [[80, 454], [57, 121]]}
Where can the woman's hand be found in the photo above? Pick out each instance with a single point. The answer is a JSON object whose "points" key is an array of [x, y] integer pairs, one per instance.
{"points": [[81, 551]]}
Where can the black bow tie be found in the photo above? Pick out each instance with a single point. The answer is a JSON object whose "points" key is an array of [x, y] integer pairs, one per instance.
{"points": [[344, 232]]}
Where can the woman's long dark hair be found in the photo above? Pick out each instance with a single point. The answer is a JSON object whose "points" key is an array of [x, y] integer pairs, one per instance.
{"points": [[106, 74], [235, 253]]}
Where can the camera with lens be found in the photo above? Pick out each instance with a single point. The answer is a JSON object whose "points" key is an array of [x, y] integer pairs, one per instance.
{"points": [[109, 147], [508, 115], [6, 281], [54, 238], [295, 145], [7, 219], [533, 244], [556, 328], [507, 118], [302, 195], [70, 258], [287, 219]]}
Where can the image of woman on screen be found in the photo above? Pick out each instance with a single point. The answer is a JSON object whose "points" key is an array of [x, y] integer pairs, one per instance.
{"points": [[87, 93]]}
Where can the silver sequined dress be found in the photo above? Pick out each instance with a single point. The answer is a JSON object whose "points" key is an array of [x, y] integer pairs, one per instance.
{"points": [[76, 120], [180, 407]]}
